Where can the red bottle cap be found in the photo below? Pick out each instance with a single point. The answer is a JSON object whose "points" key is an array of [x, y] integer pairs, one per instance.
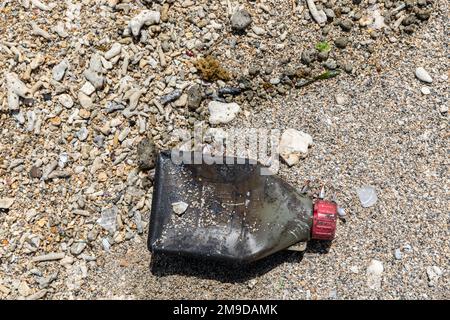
{"points": [[324, 220]]}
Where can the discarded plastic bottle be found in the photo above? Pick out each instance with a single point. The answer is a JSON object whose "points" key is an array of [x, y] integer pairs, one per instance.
{"points": [[231, 212]]}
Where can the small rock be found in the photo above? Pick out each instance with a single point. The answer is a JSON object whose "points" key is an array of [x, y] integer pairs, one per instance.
{"points": [[82, 134], [374, 274], [65, 100], [108, 219], [35, 172], [330, 64], [258, 30], [6, 203], [341, 99], [179, 207], [87, 88], [174, 95], [433, 273], [222, 112], [341, 42], [49, 257], [398, 254], [23, 289], [294, 145], [194, 96], [240, 20], [115, 50], [308, 56], [425, 90], [59, 70], [423, 75], [341, 212], [66, 261], [146, 154], [346, 25], [85, 101], [354, 269], [367, 196], [77, 248]]}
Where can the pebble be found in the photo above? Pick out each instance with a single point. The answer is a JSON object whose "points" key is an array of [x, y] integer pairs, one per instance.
{"points": [[77, 248], [23, 289], [398, 254], [85, 101], [294, 145], [65, 100], [433, 273], [341, 42], [258, 30], [108, 219], [146, 154], [179, 207], [115, 50], [308, 56], [346, 25], [425, 90], [194, 96], [423, 75], [374, 274], [87, 88], [82, 134], [220, 112], [367, 196], [174, 95], [59, 70], [318, 15], [49, 257], [240, 20], [6, 203], [341, 99]]}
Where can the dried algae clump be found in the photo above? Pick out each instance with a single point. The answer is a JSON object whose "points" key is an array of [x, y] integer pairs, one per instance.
{"points": [[211, 70]]}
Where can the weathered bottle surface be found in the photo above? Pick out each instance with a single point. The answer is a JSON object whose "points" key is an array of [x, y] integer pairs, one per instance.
{"points": [[231, 211]]}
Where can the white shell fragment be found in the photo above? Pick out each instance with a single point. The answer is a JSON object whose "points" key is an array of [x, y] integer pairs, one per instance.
{"points": [[374, 274], [423, 75], [179, 207], [222, 112], [294, 145], [367, 196], [145, 17]]}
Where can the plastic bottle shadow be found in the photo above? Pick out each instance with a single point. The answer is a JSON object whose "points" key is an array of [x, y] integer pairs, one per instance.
{"points": [[164, 265]]}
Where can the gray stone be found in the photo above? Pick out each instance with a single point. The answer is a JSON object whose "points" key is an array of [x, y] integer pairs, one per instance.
{"points": [[77, 248], [194, 96], [240, 20], [146, 153], [341, 42]]}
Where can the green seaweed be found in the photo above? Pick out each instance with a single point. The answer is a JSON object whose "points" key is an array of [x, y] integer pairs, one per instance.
{"points": [[323, 46]]}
